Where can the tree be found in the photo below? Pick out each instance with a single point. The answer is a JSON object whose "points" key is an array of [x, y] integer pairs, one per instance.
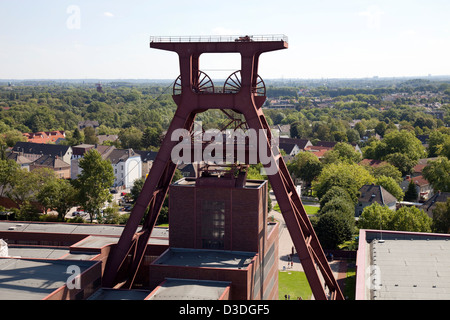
{"points": [[59, 195], [131, 138], [375, 217], [332, 229], [151, 137], [7, 171], [90, 136], [386, 169], [335, 192], [441, 217], [346, 152], [391, 186], [411, 193], [349, 176], [93, 183], [401, 161], [410, 219], [438, 174], [305, 166]]}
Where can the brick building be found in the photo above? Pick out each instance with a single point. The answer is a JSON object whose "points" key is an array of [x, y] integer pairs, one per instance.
{"points": [[220, 233]]}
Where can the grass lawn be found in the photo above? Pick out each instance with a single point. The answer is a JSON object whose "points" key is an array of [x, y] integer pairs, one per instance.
{"points": [[309, 209], [293, 283]]}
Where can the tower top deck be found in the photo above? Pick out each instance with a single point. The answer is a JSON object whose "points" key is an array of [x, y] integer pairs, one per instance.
{"points": [[220, 38], [217, 43]]}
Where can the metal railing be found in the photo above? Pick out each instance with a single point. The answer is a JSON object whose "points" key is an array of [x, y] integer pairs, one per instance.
{"points": [[217, 38]]}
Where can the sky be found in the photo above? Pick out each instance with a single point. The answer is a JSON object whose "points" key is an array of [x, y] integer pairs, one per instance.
{"points": [[109, 39]]}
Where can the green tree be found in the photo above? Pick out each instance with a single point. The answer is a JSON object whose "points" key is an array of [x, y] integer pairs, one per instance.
{"points": [[349, 176], [90, 136], [335, 192], [411, 193], [410, 219], [7, 174], [93, 183], [375, 217], [151, 137], [386, 169], [332, 229], [346, 152], [391, 186], [441, 217], [58, 195], [438, 174], [305, 166], [131, 138]]}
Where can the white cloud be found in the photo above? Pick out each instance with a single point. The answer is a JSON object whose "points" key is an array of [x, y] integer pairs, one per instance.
{"points": [[108, 14]]}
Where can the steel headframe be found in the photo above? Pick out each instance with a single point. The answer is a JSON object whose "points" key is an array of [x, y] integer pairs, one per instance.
{"points": [[119, 271]]}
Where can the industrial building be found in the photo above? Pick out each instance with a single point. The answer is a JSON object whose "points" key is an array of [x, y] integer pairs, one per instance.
{"points": [[39, 260]]}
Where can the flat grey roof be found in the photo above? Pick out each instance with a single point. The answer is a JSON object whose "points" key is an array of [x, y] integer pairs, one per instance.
{"points": [[159, 235], [205, 258], [36, 252], [187, 289], [25, 279], [407, 266]]}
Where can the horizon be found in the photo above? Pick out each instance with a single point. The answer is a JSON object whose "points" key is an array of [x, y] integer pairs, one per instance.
{"points": [[327, 40]]}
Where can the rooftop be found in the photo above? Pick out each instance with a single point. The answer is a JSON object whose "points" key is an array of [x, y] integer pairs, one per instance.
{"points": [[184, 289], [205, 258], [403, 266], [34, 279]]}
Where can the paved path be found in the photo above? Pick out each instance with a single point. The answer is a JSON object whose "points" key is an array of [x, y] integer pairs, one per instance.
{"points": [[285, 246]]}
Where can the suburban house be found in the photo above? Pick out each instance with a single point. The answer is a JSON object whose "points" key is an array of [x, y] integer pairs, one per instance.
{"points": [[23, 162], [126, 163], [318, 151], [423, 187], [34, 151], [127, 167], [61, 168], [332, 144], [370, 194], [281, 130], [429, 205], [88, 123], [46, 136], [292, 146], [147, 158]]}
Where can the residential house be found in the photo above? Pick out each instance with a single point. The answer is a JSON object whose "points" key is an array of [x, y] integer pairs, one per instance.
{"points": [[318, 151], [23, 162], [423, 187], [281, 130], [34, 151], [292, 146], [370, 194], [126, 163], [332, 144], [88, 123], [147, 158], [429, 205], [127, 167], [107, 137], [61, 168], [46, 136], [418, 168]]}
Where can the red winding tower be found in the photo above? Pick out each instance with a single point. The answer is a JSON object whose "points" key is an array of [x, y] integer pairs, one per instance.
{"points": [[243, 93]]}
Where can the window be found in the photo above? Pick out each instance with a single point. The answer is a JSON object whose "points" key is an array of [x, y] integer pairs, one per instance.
{"points": [[213, 224]]}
